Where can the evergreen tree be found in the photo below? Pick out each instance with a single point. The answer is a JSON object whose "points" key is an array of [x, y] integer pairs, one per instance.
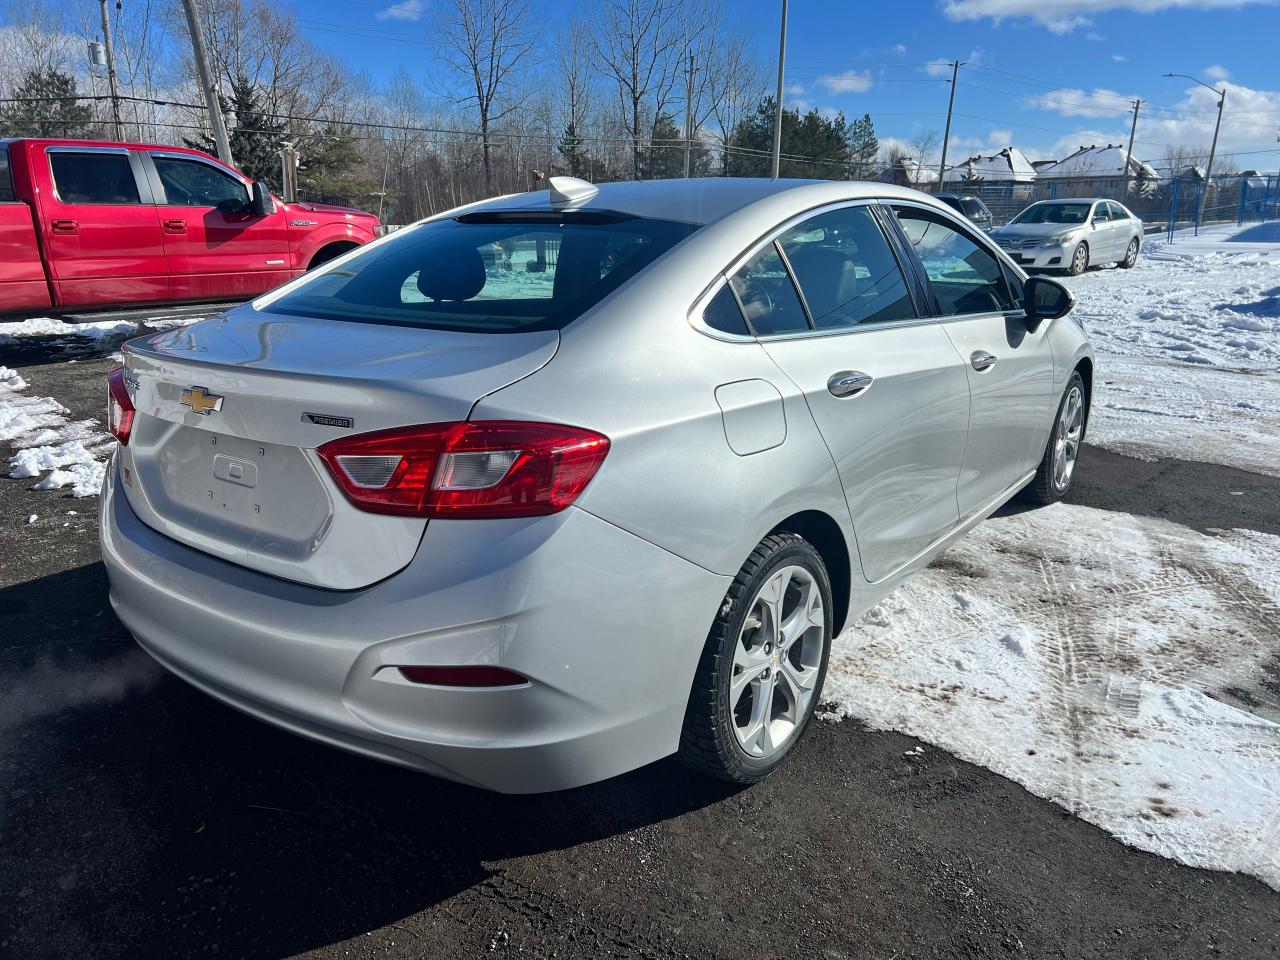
{"points": [[863, 148], [45, 106], [254, 137], [663, 157], [332, 166], [576, 158], [822, 143]]}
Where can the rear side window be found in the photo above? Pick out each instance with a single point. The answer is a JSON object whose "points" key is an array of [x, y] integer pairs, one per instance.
{"points": [[6, 181], [191, 183], [724, 314], [846, 270], [1117, 212], [93, 178], [768, 296], [965, 277], [488, 273]]}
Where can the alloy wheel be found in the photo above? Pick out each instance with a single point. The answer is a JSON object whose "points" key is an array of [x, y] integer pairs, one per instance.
{"points": [[776, 661], [1066, 438], [1131, 255], [1080, 260]]}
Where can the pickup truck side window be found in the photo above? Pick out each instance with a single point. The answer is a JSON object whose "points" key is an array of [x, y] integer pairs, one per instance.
{"points": [[190, 183], [93, 177], [6, 182]]}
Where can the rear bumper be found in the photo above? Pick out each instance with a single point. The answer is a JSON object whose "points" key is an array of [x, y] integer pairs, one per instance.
{"points": [[607, 627]]}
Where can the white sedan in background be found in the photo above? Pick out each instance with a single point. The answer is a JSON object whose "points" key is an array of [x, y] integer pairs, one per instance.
{"points": [[1072, 235]]}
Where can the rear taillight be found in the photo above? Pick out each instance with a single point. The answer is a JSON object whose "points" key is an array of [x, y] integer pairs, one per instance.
{"points": [[120, 407], [494, 468]]}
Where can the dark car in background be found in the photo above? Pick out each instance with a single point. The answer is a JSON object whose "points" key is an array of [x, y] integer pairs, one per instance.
{"points": [[972, 207]]}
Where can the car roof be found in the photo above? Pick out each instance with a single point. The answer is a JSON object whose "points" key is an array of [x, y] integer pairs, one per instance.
{"points": [[701, 200], [1075, 200]]}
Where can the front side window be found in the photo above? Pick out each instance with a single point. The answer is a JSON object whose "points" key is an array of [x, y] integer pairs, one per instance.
{"points": [[93, 178], [487, 273], [846, 270], [768, 296], [191, 183], [1101, 212], [6, 182], [964, 277], [1117, 212]]}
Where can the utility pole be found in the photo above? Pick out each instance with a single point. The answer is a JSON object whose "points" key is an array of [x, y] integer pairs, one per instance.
{"points": [[1128, 157], [951, 105], [688, 117], [1208, 171], [111, 69], [216, 122], [777, 107]]}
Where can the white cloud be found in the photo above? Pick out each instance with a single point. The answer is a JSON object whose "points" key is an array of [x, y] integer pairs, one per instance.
{"points": [[1063, 16], [1119, 58], [1094, 37], [404, 10], [900, 48], [851, 81], [1217, 72], [1072, 102], [829, 113], [794, 89], [938, 68]]}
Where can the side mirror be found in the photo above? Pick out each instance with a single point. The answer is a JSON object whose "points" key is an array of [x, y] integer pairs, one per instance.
{"points": [[261, 205], [1045, 299]]}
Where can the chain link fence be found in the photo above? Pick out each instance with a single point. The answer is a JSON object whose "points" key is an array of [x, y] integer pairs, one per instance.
{"points": [[1164, 204]]}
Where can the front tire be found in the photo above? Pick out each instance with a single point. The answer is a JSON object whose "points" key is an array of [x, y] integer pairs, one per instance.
{"points": [[1058, 465], [1079, 259], [763, 666], [1130, 255]]}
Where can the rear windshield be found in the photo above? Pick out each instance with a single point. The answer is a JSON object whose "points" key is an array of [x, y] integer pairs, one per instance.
{"points": [[488, 273]]}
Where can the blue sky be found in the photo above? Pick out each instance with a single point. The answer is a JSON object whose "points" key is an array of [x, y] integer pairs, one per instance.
{"points": [[1044, 75]]}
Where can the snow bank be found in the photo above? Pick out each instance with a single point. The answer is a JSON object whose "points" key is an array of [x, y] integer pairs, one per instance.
{"points": [[45, 440], [1121, 667], [53, 327]]}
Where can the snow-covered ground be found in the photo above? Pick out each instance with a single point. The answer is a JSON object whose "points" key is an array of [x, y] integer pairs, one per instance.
{"points": [[1188, 347], [1125, 668]]}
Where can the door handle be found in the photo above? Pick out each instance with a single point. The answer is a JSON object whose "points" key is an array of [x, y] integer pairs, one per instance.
{"points": [[849, 383], [981, 360], [65, 226], [175, 226]]}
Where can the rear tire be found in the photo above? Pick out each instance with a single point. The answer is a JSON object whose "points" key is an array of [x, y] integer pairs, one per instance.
{"points": [[1079, 259], [1058, 465], [763, 666], [1130, 255]]}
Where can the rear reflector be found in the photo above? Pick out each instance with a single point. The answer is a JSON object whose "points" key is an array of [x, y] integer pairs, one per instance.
{"points": [[489, 468], [120, 407], [464, 676]]}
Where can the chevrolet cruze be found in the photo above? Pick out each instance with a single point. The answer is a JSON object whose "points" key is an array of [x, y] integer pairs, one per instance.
{"points": [[548, 487]]}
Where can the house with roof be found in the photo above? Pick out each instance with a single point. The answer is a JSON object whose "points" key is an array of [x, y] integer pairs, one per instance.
{"points": [[1009, 165], [1106, 167]]}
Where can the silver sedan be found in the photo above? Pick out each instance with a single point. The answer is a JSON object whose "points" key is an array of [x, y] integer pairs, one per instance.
{"points": [[555, 485], [1072, 235]]}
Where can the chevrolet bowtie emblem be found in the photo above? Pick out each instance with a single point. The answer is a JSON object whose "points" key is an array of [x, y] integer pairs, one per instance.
{"points": [[201, 401]]}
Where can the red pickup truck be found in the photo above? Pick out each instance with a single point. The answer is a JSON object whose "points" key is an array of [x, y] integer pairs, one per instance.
{"points": [[88, 224]]}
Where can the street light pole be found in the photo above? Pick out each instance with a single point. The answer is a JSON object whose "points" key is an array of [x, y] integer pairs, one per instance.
{"points": [[777, 107], [1208, 170]]}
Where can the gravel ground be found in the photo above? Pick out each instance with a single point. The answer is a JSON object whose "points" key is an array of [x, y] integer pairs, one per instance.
{"points": [[140, 818]]}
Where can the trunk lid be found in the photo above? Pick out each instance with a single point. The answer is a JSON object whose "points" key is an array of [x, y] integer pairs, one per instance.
{"points": [[242, 480]]}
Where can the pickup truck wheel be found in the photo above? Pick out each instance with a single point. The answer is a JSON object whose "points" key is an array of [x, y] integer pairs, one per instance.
{"points": [[763, 666], [330, 252]]}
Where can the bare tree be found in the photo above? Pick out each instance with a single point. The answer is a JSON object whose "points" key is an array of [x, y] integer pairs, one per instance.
{"points": [[922, 146], [577, 94], [736, 83], [639, 44], [484, 42]]}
